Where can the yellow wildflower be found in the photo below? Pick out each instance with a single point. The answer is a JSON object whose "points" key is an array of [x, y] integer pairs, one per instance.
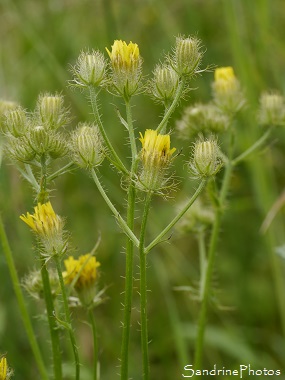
{"points": [[44, 221], [83, 271], [225, 73], [227, 90], [3, 369], [225, 80], [155, 156], [126, 68], [123, 55], [155, 148]]}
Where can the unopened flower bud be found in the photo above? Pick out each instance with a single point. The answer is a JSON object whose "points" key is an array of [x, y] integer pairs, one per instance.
{"points": [[50, 111], [40, 140], [202, 118], [33, 284], [90, 69], [271, 109], [86, 146], [187, 55], [164, 83], [16, 122], [5, 106], [156, 157], [126, 67], [227, 90], [206, 160], [19, 149]]}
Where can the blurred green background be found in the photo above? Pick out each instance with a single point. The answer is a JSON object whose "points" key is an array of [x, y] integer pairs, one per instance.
{"points": [[39, 40]]}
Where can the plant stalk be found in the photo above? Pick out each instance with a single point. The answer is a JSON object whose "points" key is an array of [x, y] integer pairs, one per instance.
{"points": [[210, 265], [143, 290], [67, 316], [95, 343], [178, 216]]}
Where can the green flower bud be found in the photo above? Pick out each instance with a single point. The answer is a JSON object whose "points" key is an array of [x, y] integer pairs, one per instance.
{"points": [[58, 147], [5, 106], [202, 118], [271, 109], [16, 122], [206, 160], [164, 83], [40, 140], [34, 285], [44, 141], [50, 111], [90, 69], [19, 149], [86, 146], [187, 55]]}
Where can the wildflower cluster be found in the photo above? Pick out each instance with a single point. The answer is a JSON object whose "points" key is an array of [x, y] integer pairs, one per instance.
{"points": [[34, 140]]}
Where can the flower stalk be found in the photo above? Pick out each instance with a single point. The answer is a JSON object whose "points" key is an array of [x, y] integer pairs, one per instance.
{"points": [[143, 289]]}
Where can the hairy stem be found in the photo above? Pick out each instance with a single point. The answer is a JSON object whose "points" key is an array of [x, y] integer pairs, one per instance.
{"points": [[67, 316], [53, 328], [95, 343], [162, 126], [178, 216], [210, 265], [143, 290], [94, 104]]}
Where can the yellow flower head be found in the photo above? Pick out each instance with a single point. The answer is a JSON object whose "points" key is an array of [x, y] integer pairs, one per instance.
{"points": [[156, 148], [83, 271], [44, 221], [155, 156], [225, 80], [123, 55], [224, 73], [227, 90], [3, 369]]}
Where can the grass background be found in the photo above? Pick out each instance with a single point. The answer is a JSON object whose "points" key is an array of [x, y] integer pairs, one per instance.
{"points": [[38, 42]]}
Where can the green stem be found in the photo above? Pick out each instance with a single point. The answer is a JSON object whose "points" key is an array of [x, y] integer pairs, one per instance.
{"points": [[203, 262], [208, 276], [95, 342], [67, 168], [121, 221], [129, 251], [67, 316], [56, 352], [21, 302], [93, 100], [54, 332], [131, 130], [162, 126], [143, 290], [253, 148], [128, 286], [178, 216]]}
